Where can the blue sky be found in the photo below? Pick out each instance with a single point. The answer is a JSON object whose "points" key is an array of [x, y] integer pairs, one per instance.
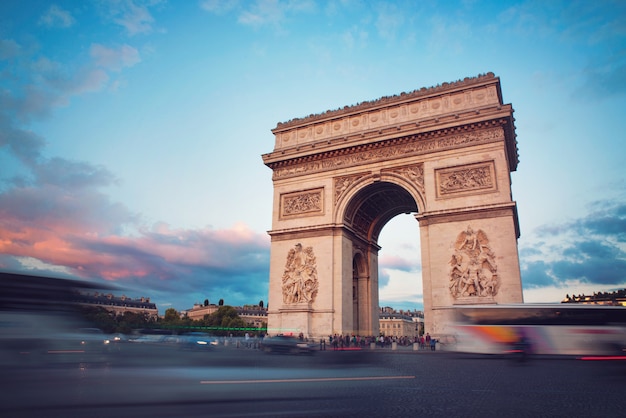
{"points": [[131, 132]]}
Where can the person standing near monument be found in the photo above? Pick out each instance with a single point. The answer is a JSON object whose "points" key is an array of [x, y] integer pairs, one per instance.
{"points": [[430, 341]]}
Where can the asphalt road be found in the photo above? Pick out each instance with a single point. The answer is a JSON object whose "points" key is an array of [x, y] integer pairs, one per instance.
{"points": [[156, 381]]}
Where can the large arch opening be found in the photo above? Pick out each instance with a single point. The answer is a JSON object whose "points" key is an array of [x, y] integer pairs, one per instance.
{"points": [[367, 213], [374, 205], [400, 265]]}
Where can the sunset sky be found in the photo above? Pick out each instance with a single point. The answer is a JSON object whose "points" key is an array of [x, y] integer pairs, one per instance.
{"points": [[131, 132]]}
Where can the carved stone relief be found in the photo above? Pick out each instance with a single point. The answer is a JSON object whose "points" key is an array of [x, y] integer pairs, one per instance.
{"points": [[414, 173], [465, 179], [412, 145], [307, 202], [342, 184], [300, 282], [473, 269]]}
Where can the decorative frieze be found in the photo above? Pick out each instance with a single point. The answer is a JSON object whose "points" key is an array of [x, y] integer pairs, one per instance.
{"points": [[402, 147], [309, 202], [465, 179]]}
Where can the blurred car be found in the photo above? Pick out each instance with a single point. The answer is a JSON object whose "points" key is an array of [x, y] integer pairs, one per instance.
{"points": [[286, 344], [118, 338], [197, 341], [84, 345]]}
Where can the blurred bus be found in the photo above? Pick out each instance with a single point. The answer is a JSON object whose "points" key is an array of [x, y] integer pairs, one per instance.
{"points": [[548, 329], [40, 323]]}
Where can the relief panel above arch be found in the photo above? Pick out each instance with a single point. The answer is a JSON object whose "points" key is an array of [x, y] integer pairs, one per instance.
{"points": [[343, 183], [466, 179], [302, 203], [413, 173]]}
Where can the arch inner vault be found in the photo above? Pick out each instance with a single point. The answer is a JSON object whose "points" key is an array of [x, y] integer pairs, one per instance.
{"points": [[444, 154]]}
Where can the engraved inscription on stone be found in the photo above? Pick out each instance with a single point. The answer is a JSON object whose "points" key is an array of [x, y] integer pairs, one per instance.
{"points": [[467, 178], [300, 282], [308, 202], [473, 269]]}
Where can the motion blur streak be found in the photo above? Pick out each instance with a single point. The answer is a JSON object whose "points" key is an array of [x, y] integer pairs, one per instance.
{"points": [[320, 379], [600, 358]]}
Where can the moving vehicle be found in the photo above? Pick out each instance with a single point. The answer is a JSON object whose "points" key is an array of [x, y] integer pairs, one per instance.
{"points": [[197, 341], [286, 344], [549, 329]]}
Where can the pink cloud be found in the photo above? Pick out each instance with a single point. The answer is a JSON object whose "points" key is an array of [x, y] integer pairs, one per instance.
{"points": [[88, 253], [397, 263]]}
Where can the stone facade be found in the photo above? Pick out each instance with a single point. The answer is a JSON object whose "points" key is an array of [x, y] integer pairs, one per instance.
{"points": [[118, 304], [399, 324], [444, 154]]}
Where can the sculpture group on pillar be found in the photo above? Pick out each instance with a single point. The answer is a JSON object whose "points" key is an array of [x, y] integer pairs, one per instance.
{"points": [[473, 271], [300, 277]]}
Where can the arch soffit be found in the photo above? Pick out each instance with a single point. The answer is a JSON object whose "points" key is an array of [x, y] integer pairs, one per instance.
{"points": [[353, 200]]}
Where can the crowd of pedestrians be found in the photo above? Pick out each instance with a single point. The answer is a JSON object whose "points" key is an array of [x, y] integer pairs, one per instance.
{"points": [[342, 342]]}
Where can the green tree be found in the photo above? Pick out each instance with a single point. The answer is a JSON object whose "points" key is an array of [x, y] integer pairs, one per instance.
{"points": [[171, 317], [221, 302], [99, 317], [224, 320], [129, 321]]}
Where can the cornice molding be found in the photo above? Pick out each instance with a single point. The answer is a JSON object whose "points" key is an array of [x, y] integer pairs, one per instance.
{"points": [[405, 146], [391, 100]]}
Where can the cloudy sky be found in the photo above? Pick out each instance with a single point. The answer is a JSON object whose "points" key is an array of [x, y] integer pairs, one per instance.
{"points": [[131, 132]]}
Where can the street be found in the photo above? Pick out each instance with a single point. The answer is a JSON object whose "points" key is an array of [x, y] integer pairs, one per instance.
{"points": [[155, 381]]}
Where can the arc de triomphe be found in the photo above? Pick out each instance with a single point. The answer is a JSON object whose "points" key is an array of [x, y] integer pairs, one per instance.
{"points": [[444, 154]]}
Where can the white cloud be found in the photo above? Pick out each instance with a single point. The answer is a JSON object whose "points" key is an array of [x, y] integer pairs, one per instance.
{"points": [[219, 6], [390, 20], [133, 16], [9, 48], [273, 12], [402, 287], [115, 59], [56, 17]]}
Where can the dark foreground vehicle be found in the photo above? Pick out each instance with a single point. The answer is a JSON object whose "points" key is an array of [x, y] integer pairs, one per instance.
{"points": [[520, 350], [286, 344]]}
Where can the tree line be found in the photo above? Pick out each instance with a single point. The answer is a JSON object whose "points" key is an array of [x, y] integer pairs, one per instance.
{"points": [[223, 322]]}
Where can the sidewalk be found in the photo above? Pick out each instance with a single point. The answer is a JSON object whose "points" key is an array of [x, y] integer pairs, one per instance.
{"points": [[393, 348]]}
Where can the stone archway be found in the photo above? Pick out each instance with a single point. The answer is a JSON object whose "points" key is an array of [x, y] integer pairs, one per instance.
{"points": [[443, 154]]}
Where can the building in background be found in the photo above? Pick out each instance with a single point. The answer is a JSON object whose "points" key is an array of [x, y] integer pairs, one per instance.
{"points": [[118, 304], [199, 311], [253, 315], [401, 323], [616, 298]]}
